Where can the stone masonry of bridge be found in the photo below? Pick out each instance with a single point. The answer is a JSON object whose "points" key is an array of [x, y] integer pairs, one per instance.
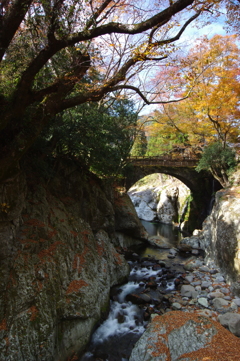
{"points": [[201, 184]]}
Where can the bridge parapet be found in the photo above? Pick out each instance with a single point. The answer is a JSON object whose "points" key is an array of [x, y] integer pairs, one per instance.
{"points": [[166, 161]]}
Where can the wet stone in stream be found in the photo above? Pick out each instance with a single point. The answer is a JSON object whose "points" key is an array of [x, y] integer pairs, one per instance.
{"points": [[131, 307]]}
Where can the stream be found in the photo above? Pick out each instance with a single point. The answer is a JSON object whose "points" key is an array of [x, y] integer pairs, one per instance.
{"points": [[151, 278]]}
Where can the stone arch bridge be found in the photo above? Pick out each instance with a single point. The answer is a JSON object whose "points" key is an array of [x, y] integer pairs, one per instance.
{"points": [[201, 184]]}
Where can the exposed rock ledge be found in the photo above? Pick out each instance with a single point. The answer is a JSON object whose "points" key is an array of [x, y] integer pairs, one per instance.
{"points": [[58, 260], [220, 237], [185, 336], [221, 232], [160, 198]]}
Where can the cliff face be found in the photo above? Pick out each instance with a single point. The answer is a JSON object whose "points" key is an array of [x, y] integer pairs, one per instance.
{"points": [[160, 198], [59, 259], [221, 231]]}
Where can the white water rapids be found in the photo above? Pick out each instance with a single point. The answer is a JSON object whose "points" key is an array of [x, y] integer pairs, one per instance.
{"points": [[125, 318]]}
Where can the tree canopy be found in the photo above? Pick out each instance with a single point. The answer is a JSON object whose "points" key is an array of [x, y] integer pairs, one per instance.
{"points": [[57, 54], [208, 78], [99, 136], [219, 161]]}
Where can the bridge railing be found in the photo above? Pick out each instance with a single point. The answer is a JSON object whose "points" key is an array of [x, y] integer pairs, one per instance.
{"points": [[168, 157], [166, 160]]}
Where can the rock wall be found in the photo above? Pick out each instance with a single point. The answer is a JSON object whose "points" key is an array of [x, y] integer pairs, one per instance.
{"points": [[59, 258], [221, 234], [159, 198]]}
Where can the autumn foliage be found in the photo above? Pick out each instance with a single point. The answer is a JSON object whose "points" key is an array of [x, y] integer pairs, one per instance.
{"points": [[208, 78]]}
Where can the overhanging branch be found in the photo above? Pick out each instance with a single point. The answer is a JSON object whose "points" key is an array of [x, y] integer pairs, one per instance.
{"points": [[148, 102], [112, 27]]}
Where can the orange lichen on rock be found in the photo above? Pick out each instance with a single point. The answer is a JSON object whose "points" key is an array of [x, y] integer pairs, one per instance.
{"points": [[13, 280], [26, 258], [3, 325], [100, 248], [25, 215], [7, 341], [40, 285], [24, 231], [221, 347], [85, 234], [33, 311], [67, 200], [119, 201], [49, 252], [29, 240], [52, 233], [75, 286], [164, 350], [35, 222], [118, 258], [74, 357], [75, 234], [79, 259]]}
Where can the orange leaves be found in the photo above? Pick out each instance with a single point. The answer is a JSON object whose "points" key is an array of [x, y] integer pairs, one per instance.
{"points": [[217, 91], [210, 74]]}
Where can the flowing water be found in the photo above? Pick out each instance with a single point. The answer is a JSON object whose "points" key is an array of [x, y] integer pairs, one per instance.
{"points": [[116, 336]]}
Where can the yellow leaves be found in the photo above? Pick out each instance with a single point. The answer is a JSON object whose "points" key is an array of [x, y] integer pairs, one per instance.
{"points": [[4, 207]]}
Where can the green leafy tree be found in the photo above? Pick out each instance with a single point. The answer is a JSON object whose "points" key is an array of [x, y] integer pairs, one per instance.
{"points": [[100, 136], [165, 143], [140, 144], [219, 160], [158, 145]]}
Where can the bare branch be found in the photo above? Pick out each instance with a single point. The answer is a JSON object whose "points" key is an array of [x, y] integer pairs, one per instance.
{"points": [[92, 20], [125, 86], [177, 37]]}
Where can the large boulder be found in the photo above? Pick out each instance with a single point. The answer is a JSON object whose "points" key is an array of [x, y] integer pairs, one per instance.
{"points": [[185, 336], [167, 208], [160, 242], [231, 321], [126, 218], [145, 203]]}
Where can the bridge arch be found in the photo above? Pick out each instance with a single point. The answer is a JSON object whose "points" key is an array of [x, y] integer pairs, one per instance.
{"points": [[202, 185]]}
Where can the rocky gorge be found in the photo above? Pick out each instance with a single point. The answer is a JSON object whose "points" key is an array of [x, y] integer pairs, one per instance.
{"points": [[64, 245], [206, 300]]}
